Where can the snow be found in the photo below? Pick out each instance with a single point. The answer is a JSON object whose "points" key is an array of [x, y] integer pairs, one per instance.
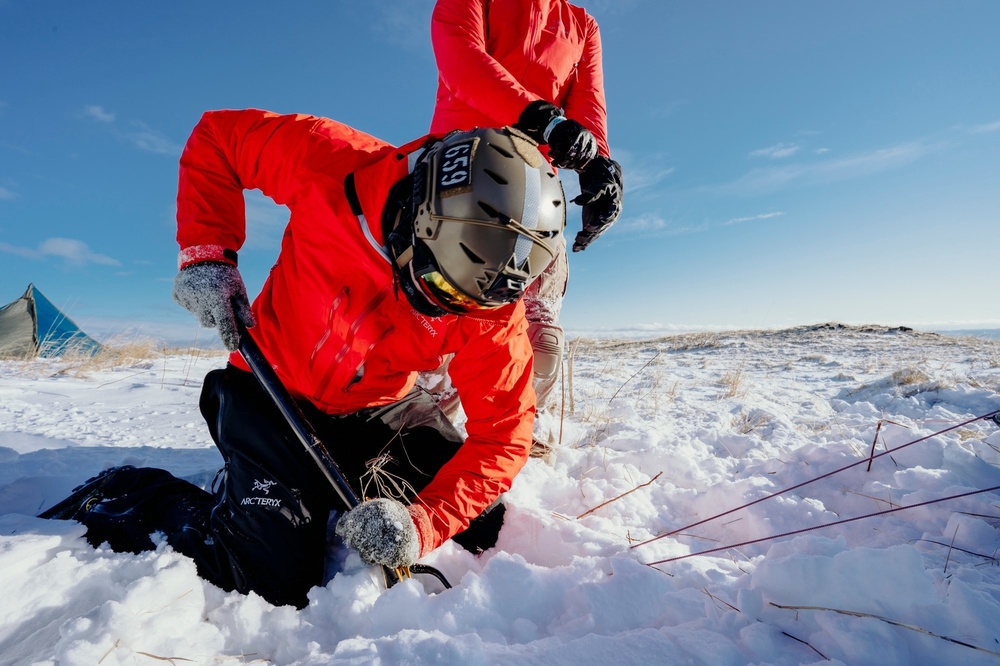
{"points": [[723, 419]]}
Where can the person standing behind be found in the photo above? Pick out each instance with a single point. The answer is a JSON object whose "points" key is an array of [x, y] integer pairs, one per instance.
{"points": [[534, 63]]}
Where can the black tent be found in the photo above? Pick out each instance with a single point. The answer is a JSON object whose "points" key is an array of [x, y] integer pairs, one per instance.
{"points": [[33, 326]]}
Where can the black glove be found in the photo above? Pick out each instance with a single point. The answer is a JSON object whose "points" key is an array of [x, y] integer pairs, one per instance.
{"points": [[215, 293], [382, 532], [601, 190], [571, 145]]}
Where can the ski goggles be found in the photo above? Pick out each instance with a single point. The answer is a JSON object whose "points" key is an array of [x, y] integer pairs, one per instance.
{"points": [[445, 295]]}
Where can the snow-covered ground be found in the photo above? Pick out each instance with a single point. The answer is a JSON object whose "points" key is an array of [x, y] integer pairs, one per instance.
{"points": [[693, 425]]}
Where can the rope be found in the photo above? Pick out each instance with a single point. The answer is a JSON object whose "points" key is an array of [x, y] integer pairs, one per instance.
{"points": [[817, 527], [806, 483]]}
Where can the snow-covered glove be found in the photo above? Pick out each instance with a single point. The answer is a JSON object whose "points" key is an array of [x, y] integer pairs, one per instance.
{"points": [[571, 145], [601, 190], [382, 532], [215, 293]]}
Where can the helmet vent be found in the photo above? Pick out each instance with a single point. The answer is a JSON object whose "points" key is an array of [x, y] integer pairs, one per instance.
{"points": [[489, 210], [473, 257], [500, 150], [495, 176]]}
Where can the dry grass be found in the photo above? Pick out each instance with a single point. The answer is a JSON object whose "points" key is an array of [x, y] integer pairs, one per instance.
{"points": [[908, 376], [733, 382], [377, 481], [692, 341], [744, 423], [965, 434], [110, 356], [118, 352], [816, 358]]}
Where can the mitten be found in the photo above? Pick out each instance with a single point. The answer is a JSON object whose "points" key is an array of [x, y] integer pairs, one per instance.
{"points": [[382, 532], [215, 293]]}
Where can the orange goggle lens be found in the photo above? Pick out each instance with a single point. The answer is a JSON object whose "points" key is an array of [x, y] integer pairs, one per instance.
{"points": [[448, 297]]}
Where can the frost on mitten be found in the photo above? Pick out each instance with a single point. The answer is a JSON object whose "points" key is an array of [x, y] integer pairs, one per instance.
{"points": [[214, 292], [382, 532]]}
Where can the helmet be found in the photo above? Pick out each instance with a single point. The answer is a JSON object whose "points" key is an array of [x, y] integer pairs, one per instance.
{"points": [[487, 215]]}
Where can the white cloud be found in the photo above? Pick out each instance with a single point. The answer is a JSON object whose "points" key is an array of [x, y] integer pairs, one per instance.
{"points": [[141, 136], [643, 224], [653, 224], [642, 172], [640, 179], [151, 141], [75, 253], [759, 181], [98, 113], [752, 218], [776, 152], [19, 251], [986, 129], [7, 195]]}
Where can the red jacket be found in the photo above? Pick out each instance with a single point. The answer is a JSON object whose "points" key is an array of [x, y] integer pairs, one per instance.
{"points": [[329, 318], [494, 57]]}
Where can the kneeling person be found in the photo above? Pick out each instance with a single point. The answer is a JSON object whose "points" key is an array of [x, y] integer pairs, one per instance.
{"points": [[393, 258]]}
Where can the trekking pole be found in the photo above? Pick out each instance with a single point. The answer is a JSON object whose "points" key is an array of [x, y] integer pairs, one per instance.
{"points": [[313, 445]]}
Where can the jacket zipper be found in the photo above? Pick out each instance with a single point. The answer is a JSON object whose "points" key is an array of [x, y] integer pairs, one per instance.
{"points": [[372, 305], [329, 323]]}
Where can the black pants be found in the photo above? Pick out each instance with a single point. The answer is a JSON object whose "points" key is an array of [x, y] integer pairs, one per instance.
{"points": [[264, 526]]}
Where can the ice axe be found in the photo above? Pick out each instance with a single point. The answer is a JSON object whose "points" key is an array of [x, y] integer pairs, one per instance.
{"points": [[313, 445]]}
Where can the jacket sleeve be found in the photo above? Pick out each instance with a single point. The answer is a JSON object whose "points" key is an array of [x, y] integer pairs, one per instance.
{"points": [[232, 151], [585, 101], [458, 34], [493, 375]]}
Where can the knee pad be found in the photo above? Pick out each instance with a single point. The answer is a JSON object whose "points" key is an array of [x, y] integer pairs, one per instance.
{"points": [[547, 345]]}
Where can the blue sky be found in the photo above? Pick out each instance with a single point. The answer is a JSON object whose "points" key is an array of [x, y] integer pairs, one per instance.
{"points": [[786, 162]]}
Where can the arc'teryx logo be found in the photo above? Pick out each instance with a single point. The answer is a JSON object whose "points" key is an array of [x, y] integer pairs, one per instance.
{"points": [[262, 501], [423, 322], [264, 485]]}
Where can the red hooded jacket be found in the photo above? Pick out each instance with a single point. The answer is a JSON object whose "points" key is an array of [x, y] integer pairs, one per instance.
{"points": [[494, 57], [329, 317]]}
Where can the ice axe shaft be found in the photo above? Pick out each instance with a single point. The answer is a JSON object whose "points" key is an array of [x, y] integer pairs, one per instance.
{"points": [[296, 420], [282, 399]]}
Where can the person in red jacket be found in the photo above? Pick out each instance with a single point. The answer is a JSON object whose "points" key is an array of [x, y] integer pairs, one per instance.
{"points": [[501, 60], [392, 259]]}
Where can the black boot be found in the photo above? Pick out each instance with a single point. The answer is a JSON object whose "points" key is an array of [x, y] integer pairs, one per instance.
{"points": [[84, 497], [122, 506]]}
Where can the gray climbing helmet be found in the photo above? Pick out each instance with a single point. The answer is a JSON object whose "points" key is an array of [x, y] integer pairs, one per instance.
{"points": [[488, 217]]}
